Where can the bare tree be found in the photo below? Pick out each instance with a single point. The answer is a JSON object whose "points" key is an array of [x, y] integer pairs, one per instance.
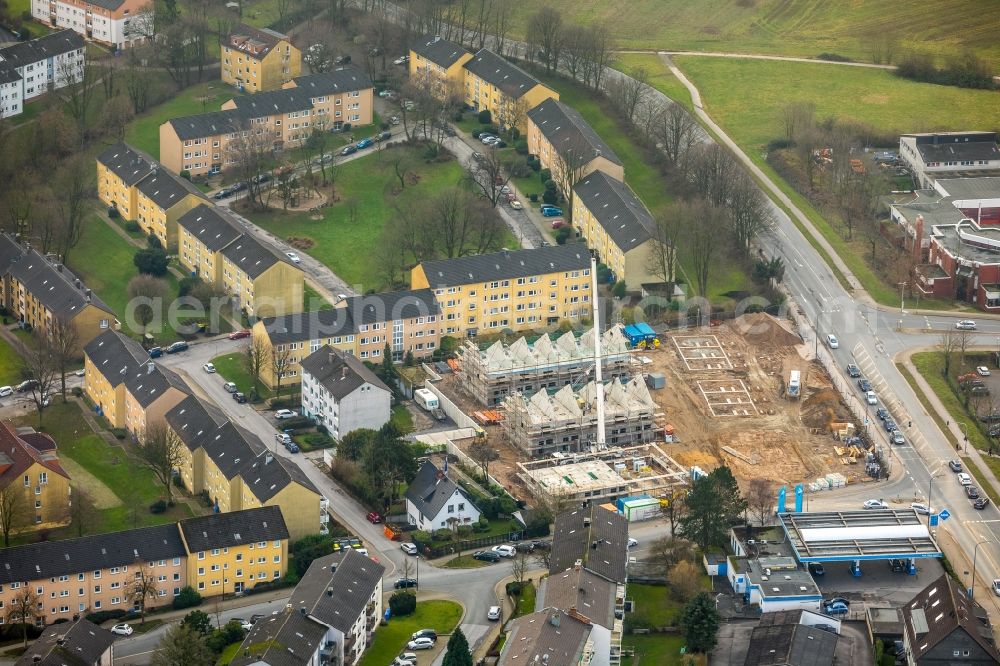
{"points": [[499, 25], [519, 567], [160, 451], [675, 132], [569, 166], [255, 360], [143, 587], [963, 338], [948, 343], [545, 29], [483, 453], [703, 241], [279, 361], [598, 57], [82, 511], [674, 508], [146, 295], [75, 184], [79, 84], [628, 92], [15, 510], [251, 151], [663, 255], [712, 172], [798, 117], [667, 551], [64, 345], [760, 498], [487, 175], [685, 579], [38, 365], [137, 81], [25, 608], [747, 209]]}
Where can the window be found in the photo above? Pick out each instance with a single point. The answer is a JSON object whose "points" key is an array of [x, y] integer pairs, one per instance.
{"points": [[201, 553], [451, 508]]}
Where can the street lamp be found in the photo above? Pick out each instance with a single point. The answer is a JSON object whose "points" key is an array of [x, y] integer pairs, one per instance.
{"points": [[975, 554], [902, 303], [930, 487], [965, 431]]}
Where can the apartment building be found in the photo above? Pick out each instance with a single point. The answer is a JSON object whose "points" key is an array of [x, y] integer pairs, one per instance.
{"points": [[440, 64], [32, 68], [340, 392], [38, 291], [618, 227], [89, 645], [518, 290], [202, 233], [98, 572], [119, 169], [127, 387], [116, 23], [505, 90], [30, 470], [208, 143], [408, 321], [238, 471], [229, 553], [331, 616], [551, 631], [568, 146], [259, 59]]}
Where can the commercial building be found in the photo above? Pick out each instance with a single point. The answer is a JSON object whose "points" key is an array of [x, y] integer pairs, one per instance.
{"points": [[435, 502], [494, 84], [792, 638], [78, 642], [35, 486], [565, 421], [32, 68], [41, 293], [238, 471], [774, 584], [408, 321], [492, 373], [119, 24], [440, 64], [950, 155], [516, 290], [967, 256], [941, 625], [95, 573], [568, 146], [331, 616], [341, 393], [259, 59], [618, 227]]}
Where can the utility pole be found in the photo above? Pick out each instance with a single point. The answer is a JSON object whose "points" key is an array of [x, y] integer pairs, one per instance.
{"points": [[601, 443]]}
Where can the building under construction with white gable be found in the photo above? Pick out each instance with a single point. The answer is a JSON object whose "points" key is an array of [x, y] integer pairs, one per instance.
{"points": [[565, 421], [500, 370]]}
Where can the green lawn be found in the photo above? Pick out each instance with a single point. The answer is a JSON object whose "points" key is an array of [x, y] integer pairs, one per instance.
{"points": [[144, 131], [232, 368], [228, 654], [347, 247], [658, 649], [390, 640], [402, 419], [10, 364], [654, 605], [464, 562], [526, 602], [659, 76], [314, 300]]}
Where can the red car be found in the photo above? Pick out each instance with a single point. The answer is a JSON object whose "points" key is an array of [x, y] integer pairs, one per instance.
{"points": [[558, 223], [239, 335], [374, 518]]}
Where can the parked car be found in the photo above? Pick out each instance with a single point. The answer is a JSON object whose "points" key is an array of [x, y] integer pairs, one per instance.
{"points": [[837, 600], [542, 545], [292, 447], [551, 211], [981, 503], [493, 613], [404, 583], [256, 617], [972, 492], [996, 586], [983, 371], [832, 341], [836, 608], [558, 223], [282, 438], [209, 368], [871, 398], [364, 143], [875, 504], [505, 550], [409, 548], [965, 325], [898, 566], [6, 391], [420, 644], [239, 335], [124, 629], [864, 384], [853, 371], [632, 543], [478, 157], [964, 479], [955, 465], [385, 93], [373, 517], [401, 60], [384, 136], [889, 425], [897, 438], [295, 259], [816, 569], [26, 385], [425, 633], [405, 659], [222, 194], [178, 346], [229, 387], [155, 352], [239, 397], [515, 204], [245, 625], [486, 556], [348, 150], [921, 508], [285, 414], [524, 547]]}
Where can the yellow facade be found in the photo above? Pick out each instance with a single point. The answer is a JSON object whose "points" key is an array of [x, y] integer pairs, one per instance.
{"points": [[112, 191], [564, 171], [47, 498], [443, 81], [282, 63], [300, 507], [278, 290], [237, 568], [505, 110], [633, 265], [138, 417], [162, 222], [90, 321], [195, 257], [109, 397]]}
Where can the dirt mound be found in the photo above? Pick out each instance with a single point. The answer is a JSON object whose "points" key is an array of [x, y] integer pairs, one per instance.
{"points": [[764, 331], [822, 408], [300, 243]]}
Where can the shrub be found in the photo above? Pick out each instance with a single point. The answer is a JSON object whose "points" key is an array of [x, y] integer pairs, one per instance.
{"points": [[159, 506], [346, 127], [618, 291], [441, 535], [563, 235], [154, 242], [119, 433], [513, 588], [485, 118], [477, 133], [152, 261], [465, 531], [185, 174], [186, 284], [402, 603], [550, 196], [458, 117], [322, 429], [535, 165], [77, 392], [103, 616], [545, 175], [533, 197], [188, 598], [296, 423], [832, 57], [431, 151], [198, 621], [521, 146], [515, 133], [518, 168]]}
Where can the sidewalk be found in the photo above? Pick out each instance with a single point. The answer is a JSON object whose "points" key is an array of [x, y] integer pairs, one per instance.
{"points": [[209, 606]]}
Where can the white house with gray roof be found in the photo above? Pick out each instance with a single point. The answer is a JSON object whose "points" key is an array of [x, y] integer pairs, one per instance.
{"points": [[341, 393], [435, 502], [32, 68]]}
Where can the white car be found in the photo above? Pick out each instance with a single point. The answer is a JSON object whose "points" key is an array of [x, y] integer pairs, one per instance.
{"points": [[516, 205], [6, 391], [505, 550], [294, 257], [875, 504], [996, 586], [632, 543], [209, 368], [965, 325], [285, 414], [493, 613], [964, 479], [401, 660], [282, 438], [422, 643], [983, 371], [408, 548], [245, 625], [229, 387], [871, 398], [921, 508], [832, 341], [122, 629]]}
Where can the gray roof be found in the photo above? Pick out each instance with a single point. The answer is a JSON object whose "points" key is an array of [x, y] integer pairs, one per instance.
{"points": [[578, 531], [343, 79], [591, 595], [270, 103], [957, 146], [42, 48], [439, 51], [934, 213], [352, 313], [550, 632], [127, 163], [338, 372], [506, 265], [196, 422], [987, 187], [53, 285], [569, 133], [287, 639], [47, 559], [165, 189], [617, 209], [431, 489], [267, 39], [149, 381], [116, 356], [251, 256], [791, 645], [210, 226], [8, 74], [336, 588], [509, 78], [207, 124], [234, 528], [79, 642], [107, 4]]}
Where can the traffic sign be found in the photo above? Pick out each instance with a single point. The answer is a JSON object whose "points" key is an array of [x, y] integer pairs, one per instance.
{"points": [[944, 514], [932, 520]]}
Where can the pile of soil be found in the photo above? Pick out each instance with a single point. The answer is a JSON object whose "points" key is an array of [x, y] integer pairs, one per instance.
{"points": [[300, 243], [763, 331]]}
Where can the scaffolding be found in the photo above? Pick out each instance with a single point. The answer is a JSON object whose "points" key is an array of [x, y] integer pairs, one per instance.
{"points": [[491, 374], [566, 421]]}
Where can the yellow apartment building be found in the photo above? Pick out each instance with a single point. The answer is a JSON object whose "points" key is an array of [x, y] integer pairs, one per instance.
{"points": [[568, 146], [618, 227], [520, 290], [29, 465], [408, 321], [504, 89], [198, 144], [441, 64], [262, 283], [119, 168], [343, 96], [259, 59], [203, 232], [150, 395]]}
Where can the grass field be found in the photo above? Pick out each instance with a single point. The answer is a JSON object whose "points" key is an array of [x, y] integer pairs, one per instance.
{"points": [[654, 605], [659, 76], [464, 562], [231, 367], [659, 649], [10, 364], [347, 247], [785, 27], [144, 131], [390, 640]]}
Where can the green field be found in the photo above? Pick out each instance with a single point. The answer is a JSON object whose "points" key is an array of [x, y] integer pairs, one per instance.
{"points": [[10, 364], [232, 368], [659, 649], [659, 76], [144, 131], [784, 27], [390, 640]]}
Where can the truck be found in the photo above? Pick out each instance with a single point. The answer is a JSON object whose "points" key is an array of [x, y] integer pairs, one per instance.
{"points": [[794, 383], [426, 399], [641, 336]]}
